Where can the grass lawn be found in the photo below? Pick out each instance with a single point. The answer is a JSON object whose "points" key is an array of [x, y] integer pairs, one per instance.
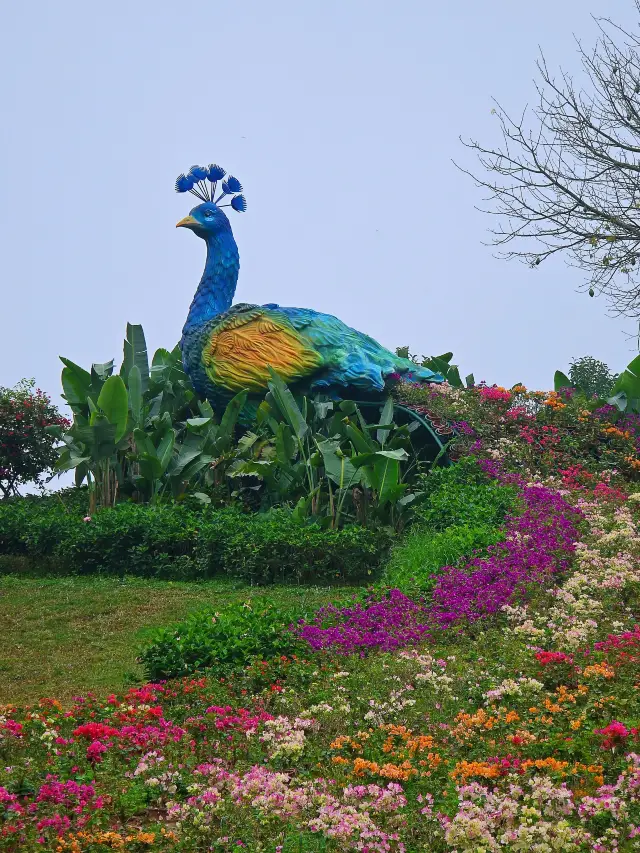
{"points": [[63, 636]]}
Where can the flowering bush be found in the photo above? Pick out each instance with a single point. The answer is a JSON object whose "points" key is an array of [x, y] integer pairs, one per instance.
{"points": [[27, 450], [494, 709]]}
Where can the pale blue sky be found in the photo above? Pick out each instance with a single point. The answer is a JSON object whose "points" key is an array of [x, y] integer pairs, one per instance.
{"points": [[340, 117]]}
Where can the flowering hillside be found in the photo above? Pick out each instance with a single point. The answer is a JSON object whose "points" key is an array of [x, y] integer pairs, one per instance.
{"points": [[487, 705]]}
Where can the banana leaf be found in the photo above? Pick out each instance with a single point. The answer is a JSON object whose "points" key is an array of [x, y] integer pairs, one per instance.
{"points": [[114, 402]]}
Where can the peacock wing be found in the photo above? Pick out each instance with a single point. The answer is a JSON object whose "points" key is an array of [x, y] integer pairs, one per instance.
{"points": [[350, 358], [247, 340]]}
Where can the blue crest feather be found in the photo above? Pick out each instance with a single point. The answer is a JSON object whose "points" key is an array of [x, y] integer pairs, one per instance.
{"points": [[232, 185], [199, 173], [183, 183], [194, 182]]}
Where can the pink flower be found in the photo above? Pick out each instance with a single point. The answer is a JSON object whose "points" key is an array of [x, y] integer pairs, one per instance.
{"points": [[614, 734], [95, 750], [87, 518]]}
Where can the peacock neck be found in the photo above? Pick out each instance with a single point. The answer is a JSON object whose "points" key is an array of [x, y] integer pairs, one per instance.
{"points": [[218, 283]]}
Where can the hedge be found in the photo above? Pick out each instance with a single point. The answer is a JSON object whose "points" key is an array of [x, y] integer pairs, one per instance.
{"points": [[177, 542]]}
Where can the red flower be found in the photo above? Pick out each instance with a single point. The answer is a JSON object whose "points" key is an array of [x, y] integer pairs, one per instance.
{"points": [[95, 731]]}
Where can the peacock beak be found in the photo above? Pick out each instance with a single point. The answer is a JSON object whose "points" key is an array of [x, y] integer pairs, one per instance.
{"points": [[187, 222]]}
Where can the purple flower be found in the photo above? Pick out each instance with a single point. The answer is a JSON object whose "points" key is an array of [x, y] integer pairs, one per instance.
{"points": [[537, 544]]}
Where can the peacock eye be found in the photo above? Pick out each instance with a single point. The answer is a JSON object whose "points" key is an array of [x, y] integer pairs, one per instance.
{"points": [[208, 214]]}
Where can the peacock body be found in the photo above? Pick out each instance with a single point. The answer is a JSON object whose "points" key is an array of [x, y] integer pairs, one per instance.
{"points": [[227, 348]]}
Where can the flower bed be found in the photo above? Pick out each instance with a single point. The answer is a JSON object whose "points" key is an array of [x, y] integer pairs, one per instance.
{"points": [[499, 712]]}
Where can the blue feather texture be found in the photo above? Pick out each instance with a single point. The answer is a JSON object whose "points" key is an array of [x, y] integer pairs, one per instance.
{"points": [[199, 173], [184, 183], [239, 203], [215, 173]]}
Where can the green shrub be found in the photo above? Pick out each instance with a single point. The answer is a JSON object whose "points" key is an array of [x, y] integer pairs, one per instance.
{"points": [[462, 495], [415, 562], [224, 641], [272, 547], [176, 541], [461, 512]]}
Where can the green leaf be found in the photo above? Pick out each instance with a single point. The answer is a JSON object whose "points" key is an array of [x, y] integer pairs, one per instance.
{"points": [[76, 383], [67, 462], [99, 437], [135, 394], [143, 442], [453, 377], [628, 382], [135, 354], [361, 442], [288, 407], [114, 402], [204, 499], [231, 415], [165, 449], [102, 370], [150, 466], [302, 509], [285, 445], [387, 475], [470, 380], [339, 469], [560, 380], [205, 408], [386, 420], [348, 407], [185, 456], [198, 424], [400, 454]]}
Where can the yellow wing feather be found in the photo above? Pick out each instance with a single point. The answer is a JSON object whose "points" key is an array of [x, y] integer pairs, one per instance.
{"points": [[243, 347]]}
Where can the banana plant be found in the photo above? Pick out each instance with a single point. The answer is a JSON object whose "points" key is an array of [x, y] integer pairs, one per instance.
{"points": [[141, 432], [625, 394], [323, 457], [451, 372]]}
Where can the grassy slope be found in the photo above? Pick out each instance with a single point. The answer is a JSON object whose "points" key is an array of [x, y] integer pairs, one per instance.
{"points": [[64, 636]]}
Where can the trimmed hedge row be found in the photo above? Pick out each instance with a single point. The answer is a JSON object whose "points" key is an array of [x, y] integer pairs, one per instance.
{"points": [[177, 542]]}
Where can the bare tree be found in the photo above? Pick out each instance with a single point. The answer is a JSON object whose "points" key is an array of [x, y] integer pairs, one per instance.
{"points": [[569, 181]]}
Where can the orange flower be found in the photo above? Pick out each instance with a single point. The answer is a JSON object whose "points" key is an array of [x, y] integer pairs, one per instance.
{"points": [[360, 765], [614, 432], [465, 769], [401, 772], [419, 744], [553, 401], [599, 669]]}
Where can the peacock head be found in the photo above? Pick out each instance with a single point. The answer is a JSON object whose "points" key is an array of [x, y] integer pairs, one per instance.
{"points": [[208, 219]]}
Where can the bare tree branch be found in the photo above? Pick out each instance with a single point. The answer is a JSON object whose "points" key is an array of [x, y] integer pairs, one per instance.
{"points": [[566, 178]]}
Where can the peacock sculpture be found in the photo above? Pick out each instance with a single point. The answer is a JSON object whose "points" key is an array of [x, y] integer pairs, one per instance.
{"points": [[228, 348]]}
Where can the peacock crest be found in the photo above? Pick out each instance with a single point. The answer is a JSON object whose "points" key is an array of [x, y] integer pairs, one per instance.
{"points": [[202, 182]]}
